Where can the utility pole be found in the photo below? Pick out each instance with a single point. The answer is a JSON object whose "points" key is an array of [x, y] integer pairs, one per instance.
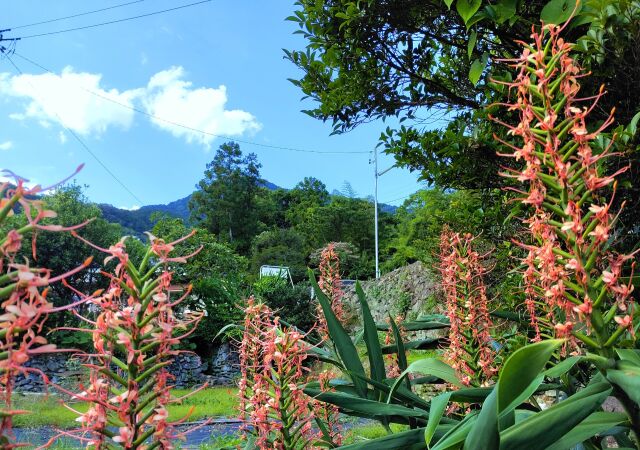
{"points": [[4, 49], [375, 201]]}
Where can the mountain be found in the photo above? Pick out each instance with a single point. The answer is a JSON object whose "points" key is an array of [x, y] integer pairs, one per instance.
{"points": [[139, 220]]}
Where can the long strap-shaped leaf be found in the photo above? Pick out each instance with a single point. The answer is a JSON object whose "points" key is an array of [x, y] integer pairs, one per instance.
{"points": [[344, 346], [547, 427], [376, 360]]}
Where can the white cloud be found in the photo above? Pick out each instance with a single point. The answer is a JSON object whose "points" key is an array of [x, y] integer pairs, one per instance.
{"points": [[62, 137], [169, 97], [63, 99], [130, 208], [8, 145]]}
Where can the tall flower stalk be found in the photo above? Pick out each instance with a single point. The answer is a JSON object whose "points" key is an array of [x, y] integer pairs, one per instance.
{"points": [[330, 282], [578, 287], [574, 280], [135, 335], [23, 293], [272, 405], [470, 348]]}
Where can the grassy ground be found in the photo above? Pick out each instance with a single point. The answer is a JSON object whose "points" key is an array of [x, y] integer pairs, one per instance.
{"points": [[49, 411]]}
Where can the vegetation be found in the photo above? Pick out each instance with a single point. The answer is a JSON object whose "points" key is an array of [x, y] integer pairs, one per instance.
{"points": [[532, 225]]}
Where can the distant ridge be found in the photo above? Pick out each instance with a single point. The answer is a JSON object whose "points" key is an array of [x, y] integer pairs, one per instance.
{"points": [[138, 221]]}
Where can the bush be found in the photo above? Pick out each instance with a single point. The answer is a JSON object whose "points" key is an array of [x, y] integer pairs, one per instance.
{"points": [[293, 304]]}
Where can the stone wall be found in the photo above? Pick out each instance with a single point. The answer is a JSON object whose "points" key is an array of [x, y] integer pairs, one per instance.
{"points": [[187, 368], [407, 291]]}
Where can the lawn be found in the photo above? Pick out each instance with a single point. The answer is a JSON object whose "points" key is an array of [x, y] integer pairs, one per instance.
{"points": [[49, 410]]}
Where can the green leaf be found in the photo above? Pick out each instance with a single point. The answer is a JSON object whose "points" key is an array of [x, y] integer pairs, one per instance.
{"points": [[596, 424], [417, 325], [558, 11], [402, 353], [457, 434], [506, 9], [520, 371], [438, 405], [421, 344], [476, 69], [632, 356], [345, 348], [405, 440], [485, 434], [628, 380], [545, 428], [364, 407], [471, 45], [467, 8], [448, 3], [428, 366], [562, 367], [376, 360]]}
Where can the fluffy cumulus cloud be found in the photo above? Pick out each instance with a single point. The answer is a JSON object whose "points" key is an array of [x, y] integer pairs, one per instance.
{"points": [[73, 99], [171, 98], [7, 145], [66, 99]]}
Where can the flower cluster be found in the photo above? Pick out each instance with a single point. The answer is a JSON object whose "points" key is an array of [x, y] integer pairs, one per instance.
{"points": [[23, 291], [392, 366], [330, 283], [574, 282], [272, 405], [135, 334], [470, 348]]}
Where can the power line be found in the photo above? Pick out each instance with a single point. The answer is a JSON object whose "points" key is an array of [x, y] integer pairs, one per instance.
{"points": [[77, 15], [80, 141], [195, 130], [115, 21], [396, 199]]}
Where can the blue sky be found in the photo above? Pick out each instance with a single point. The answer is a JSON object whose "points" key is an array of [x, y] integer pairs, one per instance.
{"points": [[217, 66]]}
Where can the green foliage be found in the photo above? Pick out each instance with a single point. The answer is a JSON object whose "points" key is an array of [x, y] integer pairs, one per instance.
{"points": [[293, 304], [72, 208], [428, 65], [280, 247], [225, 202], [218, 276]]}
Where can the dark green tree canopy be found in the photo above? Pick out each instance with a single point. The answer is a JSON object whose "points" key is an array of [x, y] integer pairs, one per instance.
{"points": [[430, 62], [225, 202]]}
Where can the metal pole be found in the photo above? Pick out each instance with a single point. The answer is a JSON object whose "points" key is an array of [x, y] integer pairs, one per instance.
{"points": [[375, 200]]}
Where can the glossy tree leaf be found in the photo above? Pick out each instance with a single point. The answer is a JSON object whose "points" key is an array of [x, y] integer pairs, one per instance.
{"points": [[505, 10], [471, 45], [520, 370], [545, 428], [344, 346], [467, 8], [476, 69], [558, 11]]}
